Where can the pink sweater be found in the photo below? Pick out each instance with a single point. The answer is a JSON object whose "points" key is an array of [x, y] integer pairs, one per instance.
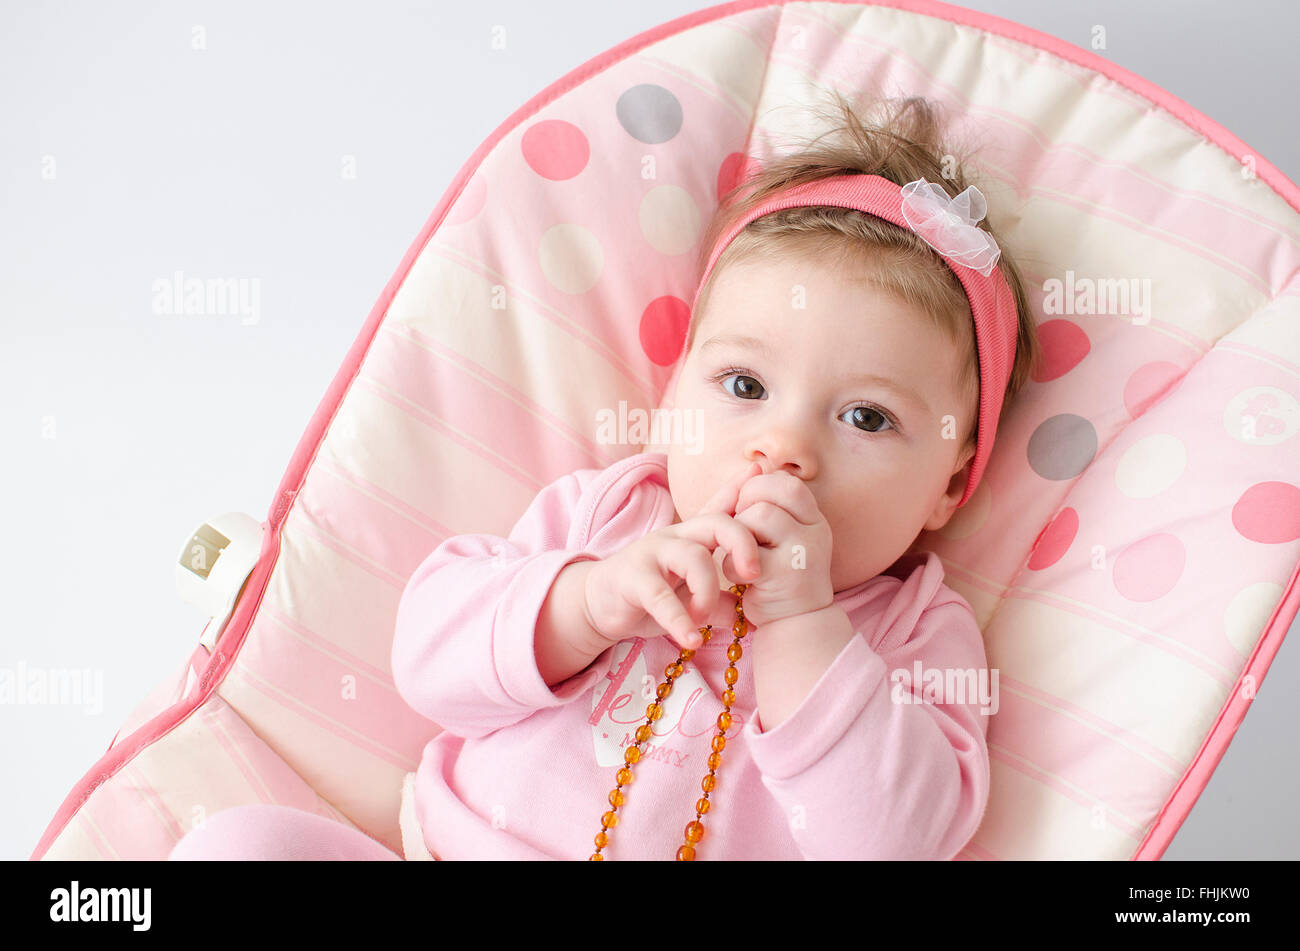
{"points": [[523, 771]]}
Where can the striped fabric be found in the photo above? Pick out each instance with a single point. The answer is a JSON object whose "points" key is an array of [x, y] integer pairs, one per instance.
{"points": [[1131, 552]]}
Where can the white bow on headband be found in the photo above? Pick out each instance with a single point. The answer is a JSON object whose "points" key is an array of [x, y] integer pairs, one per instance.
{"points": [[948, 224]]}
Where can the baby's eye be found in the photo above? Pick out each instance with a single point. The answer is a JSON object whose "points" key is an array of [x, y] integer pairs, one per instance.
{"points": [[873, 418], [746, 391], [869, 414]]}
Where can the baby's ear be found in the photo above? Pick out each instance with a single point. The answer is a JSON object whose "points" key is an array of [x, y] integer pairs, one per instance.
{"points": [[946, 505]]}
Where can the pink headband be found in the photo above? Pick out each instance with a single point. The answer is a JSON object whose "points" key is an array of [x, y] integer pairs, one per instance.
{"points": [[947, 225]]}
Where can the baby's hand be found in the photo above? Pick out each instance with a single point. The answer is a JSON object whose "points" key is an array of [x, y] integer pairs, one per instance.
{"points": [[780, 511], [644, 578]]}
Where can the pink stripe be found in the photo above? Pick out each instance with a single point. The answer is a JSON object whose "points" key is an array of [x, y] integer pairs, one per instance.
{"points": [[1172, 766], [382, 677], [1052, 783], [441, 383], [1258, 354], [216, 730], [1072, 752], [317, 687], [381, 525], [302, 523]]}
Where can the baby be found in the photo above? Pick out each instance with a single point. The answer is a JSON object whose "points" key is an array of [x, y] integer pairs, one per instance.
{"points": [[854, 340]]}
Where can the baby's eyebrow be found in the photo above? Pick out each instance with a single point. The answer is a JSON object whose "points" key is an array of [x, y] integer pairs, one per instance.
{"points": [[871, 379]]}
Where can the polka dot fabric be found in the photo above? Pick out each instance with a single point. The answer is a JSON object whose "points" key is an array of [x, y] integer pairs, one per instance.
{"points": [[1131, 550]]}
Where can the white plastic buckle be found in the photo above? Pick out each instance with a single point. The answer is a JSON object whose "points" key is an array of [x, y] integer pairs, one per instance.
{"points": [[213, 565]]}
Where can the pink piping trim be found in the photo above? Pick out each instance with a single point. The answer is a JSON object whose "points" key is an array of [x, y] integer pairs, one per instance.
{"points": [[232, 638]]}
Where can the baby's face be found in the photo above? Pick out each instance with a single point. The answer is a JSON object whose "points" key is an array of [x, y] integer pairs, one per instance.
{"points": [[881, 465]]}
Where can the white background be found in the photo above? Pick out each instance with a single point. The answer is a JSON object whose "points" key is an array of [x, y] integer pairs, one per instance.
{"points": [[226, 162]]}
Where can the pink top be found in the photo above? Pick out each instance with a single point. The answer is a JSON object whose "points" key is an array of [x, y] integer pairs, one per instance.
{"points": [[523, 771]]}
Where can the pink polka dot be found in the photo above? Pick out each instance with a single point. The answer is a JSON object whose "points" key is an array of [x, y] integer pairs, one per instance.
{"points": [[469, 203], [1149, 568], [1146, 385], [1054, 540], [734, 169], [1064, 344], [1268, 512], [555, 149], [663, 329]]}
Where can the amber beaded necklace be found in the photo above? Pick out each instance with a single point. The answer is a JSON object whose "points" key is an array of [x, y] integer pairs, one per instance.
{"points": [[694, 828]]}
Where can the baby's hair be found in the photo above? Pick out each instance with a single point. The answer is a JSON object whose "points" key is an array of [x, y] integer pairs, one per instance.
{"points": [[904, 147]]}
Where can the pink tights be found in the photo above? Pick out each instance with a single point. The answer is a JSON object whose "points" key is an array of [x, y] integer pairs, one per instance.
{"points": [[276, 833]]}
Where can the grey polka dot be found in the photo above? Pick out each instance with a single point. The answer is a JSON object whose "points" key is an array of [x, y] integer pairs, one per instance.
{"points": [[649, 113], [1062, 446]]}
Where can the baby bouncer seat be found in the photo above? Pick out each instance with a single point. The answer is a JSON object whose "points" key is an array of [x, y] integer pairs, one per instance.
{"points": [[1131, 553]]}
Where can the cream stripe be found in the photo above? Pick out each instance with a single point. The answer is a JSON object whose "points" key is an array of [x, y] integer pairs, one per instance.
{"points": [[580, 334], [713, 92], [1087, 612]]}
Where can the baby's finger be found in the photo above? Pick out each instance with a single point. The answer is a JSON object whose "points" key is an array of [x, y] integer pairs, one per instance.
{"points": [[724, 500], [692, 563], [718, 530], [740, 571]]}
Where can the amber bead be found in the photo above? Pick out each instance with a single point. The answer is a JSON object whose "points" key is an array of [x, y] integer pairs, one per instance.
{"points": [[694, 830]]}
